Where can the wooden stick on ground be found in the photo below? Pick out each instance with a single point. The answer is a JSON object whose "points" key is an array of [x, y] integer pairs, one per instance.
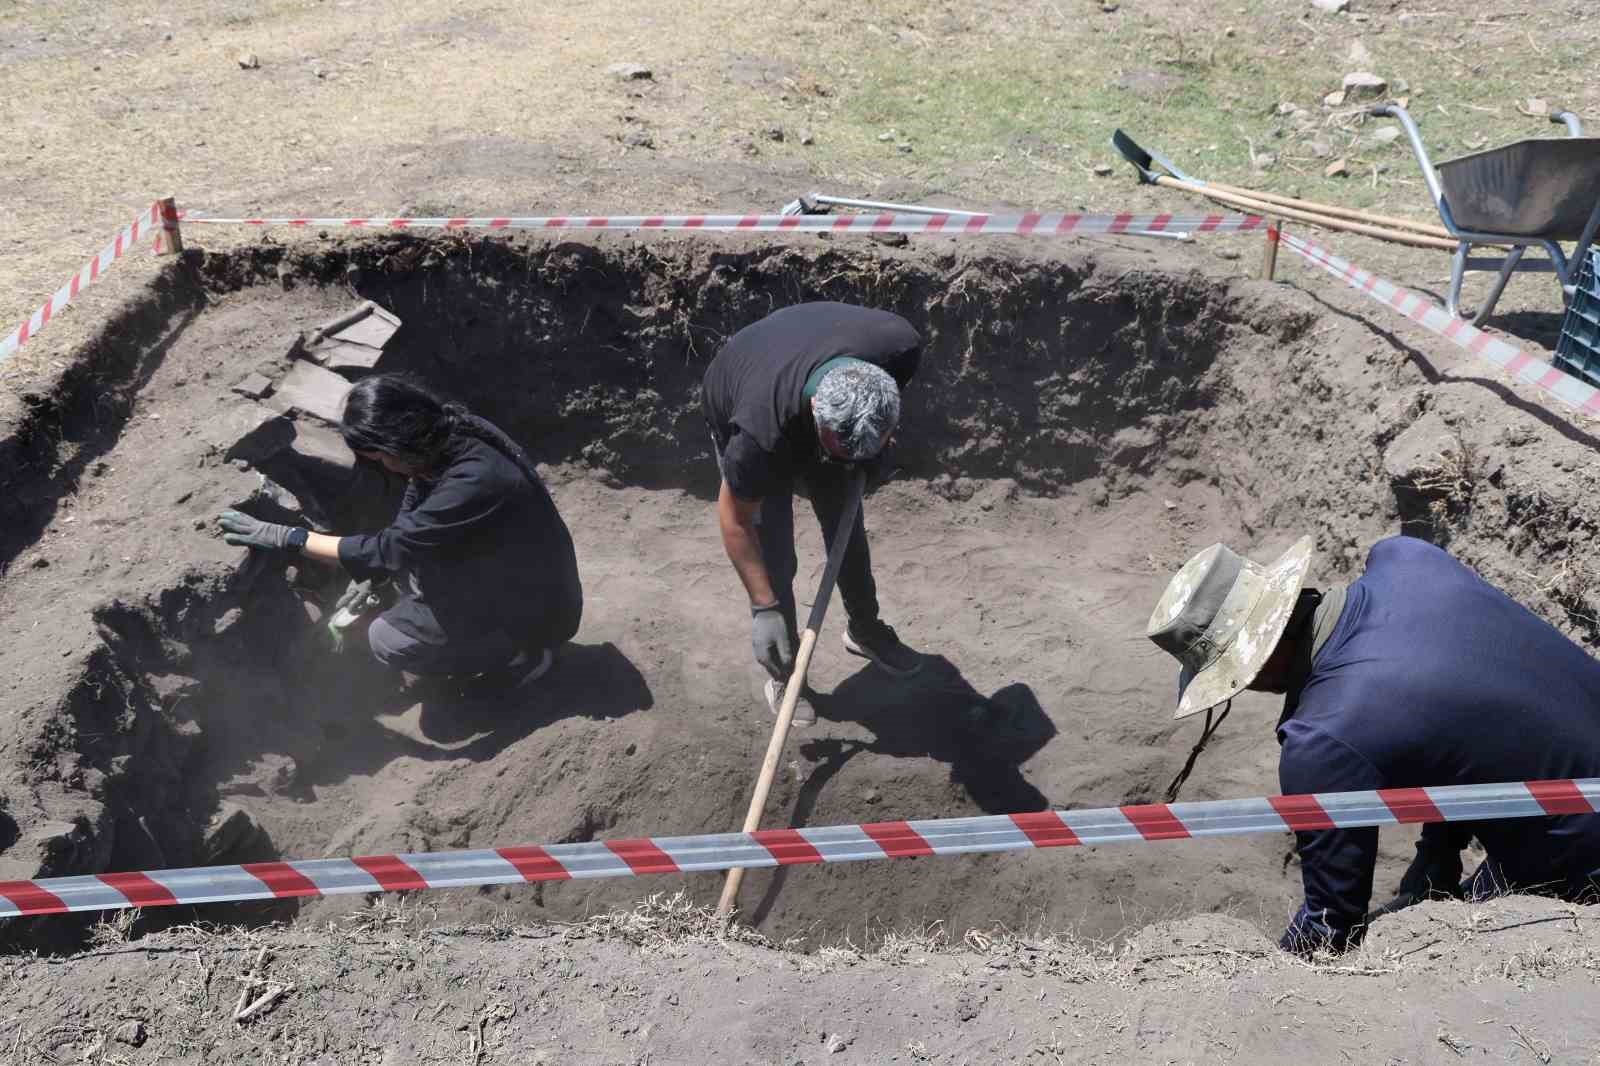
{"points": [[797, 682], [1261, 207], [1388, 221]]}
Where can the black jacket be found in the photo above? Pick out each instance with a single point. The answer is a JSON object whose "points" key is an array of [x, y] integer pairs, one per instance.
{"points": [[485, 546]]}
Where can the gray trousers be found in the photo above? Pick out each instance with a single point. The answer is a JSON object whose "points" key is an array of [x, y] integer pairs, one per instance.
{"points": [[401, 651]]}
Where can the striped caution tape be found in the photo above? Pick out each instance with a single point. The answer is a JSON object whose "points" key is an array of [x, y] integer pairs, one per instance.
{"points": [[87, 275], [1430, 316], [1029, 224], [783, 847]]}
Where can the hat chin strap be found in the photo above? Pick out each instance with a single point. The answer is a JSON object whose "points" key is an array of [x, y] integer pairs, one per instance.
{"points": [[1200, 745]]}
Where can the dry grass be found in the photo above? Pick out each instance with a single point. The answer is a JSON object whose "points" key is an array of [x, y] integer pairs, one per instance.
{"points": [[464, 106]]}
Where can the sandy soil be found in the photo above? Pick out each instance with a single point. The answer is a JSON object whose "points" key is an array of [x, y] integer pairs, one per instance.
{"points": [[1501, 983]]}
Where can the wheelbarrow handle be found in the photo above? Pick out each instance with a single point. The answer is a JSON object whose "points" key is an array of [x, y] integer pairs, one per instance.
{"points": [[1568, 119]]}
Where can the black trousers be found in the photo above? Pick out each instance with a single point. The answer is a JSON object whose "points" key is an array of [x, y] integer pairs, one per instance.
{"points": [[828, 486]]}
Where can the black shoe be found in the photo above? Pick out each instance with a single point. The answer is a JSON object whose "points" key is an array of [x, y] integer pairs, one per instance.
{"points": [[876, 640], [524, 669]]}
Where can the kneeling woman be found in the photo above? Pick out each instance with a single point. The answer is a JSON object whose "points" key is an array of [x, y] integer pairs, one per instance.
{"points": [[484, 565]]}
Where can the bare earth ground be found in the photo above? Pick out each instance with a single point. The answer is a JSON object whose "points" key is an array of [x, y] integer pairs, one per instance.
{"points": [[461, 108], [1502, 983]]}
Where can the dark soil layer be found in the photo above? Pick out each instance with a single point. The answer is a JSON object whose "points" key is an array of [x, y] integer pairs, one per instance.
{"points": [[1082, 424]]}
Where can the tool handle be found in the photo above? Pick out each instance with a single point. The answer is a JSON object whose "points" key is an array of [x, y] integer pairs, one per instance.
{"points": [[797, 682]]}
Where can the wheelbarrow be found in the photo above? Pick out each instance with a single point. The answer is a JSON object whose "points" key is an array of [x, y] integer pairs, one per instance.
{"points": [[1519, 196]]}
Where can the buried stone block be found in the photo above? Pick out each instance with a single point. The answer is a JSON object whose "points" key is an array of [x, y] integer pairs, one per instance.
{"points": [[310, 390], [249, 432], [353, 341]]}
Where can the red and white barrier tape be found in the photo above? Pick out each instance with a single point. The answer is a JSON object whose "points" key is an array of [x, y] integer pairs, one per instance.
{"points": [[783, 847], [1031, 224], [1430, 316], [87, 275]]}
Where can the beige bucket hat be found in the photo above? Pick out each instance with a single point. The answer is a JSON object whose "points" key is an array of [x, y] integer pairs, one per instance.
{"points": [[1221, 618]]}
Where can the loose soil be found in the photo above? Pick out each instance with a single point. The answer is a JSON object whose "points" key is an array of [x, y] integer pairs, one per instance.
{"points": [[1507, 982], [1084, 421]]}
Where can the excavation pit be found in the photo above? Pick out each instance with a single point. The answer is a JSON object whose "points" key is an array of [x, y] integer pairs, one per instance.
{"points": [[1084, 420]]}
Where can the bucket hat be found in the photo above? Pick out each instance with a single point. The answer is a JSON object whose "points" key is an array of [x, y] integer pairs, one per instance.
{"points": [[1221, 618]]}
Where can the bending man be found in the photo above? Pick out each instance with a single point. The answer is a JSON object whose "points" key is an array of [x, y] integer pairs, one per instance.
{"points": [[485, 566], [1419, 673], [792, 401]]}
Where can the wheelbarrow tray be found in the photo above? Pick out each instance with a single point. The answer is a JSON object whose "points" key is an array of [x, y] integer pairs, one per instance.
{"points": [[1543, 188]]}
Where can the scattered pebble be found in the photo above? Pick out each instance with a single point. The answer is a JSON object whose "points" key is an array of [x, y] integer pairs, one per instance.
{"points": [[1102, 170], [806, 138], [248, 61], [630, 72]]}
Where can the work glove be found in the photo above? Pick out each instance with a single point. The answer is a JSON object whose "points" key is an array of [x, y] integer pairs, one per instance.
{"points": [[771, 641], [241, 529], [355, 597]]}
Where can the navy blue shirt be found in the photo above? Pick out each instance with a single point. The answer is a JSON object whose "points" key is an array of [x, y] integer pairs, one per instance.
{"points": [[1431, 676]]}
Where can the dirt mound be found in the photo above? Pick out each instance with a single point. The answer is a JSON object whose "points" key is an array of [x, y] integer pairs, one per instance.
{"points": [[1082, 424], [1508, 981]]}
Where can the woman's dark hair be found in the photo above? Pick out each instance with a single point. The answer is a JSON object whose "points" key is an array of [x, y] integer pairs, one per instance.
{"points": [[399, 416]]}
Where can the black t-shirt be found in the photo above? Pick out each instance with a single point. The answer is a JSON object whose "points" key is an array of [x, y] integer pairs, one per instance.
{"points": [[754, 390]]}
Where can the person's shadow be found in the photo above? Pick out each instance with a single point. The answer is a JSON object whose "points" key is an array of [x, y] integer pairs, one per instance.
{"points": [[457, 720], [936, 714]]}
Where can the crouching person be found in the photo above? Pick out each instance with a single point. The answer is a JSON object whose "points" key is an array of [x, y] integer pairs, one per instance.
{"points": [[1417, 674], [483, 565]]}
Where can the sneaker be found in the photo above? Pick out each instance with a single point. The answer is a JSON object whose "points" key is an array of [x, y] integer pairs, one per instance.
{"points": [[523, 670], [804, 713], [876, 640]]}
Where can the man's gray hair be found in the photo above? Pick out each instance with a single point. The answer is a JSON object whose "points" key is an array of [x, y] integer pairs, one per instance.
{"points": [[860, 403]]}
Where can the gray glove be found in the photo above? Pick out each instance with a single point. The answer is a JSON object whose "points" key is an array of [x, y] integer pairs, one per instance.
{"points": [[354, 597], [770, 639], [241, 529]]}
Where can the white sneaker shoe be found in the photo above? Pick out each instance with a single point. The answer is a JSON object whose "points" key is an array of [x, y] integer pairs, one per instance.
{"points": [[804, 713]]}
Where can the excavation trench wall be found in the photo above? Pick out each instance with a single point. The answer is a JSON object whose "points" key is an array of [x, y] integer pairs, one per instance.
{"points": [[1084, 420]]}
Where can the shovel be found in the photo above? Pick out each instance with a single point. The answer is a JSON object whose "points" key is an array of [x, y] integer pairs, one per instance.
{"points": [[1383, 227], [797, 680]]}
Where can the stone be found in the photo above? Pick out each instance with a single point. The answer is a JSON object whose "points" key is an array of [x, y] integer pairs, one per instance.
{"points": [[1362, 84], [807, 139], [229, 619], [638, 139], [173, 689], [903, 146], [254, 385], [309, 389], [630, 72], [1332, 7], [1415, 452], [248, 432], [1334, 99], [773, 133], [1384, 135], [1337, 169], [248, 61], [270, 774], [232, 832], [1320, 148], [353, 341], [1102, 170], [130, 1032]]}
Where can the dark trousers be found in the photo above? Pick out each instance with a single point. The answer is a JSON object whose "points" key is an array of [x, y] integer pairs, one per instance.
{"points": [[828, 485]]}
